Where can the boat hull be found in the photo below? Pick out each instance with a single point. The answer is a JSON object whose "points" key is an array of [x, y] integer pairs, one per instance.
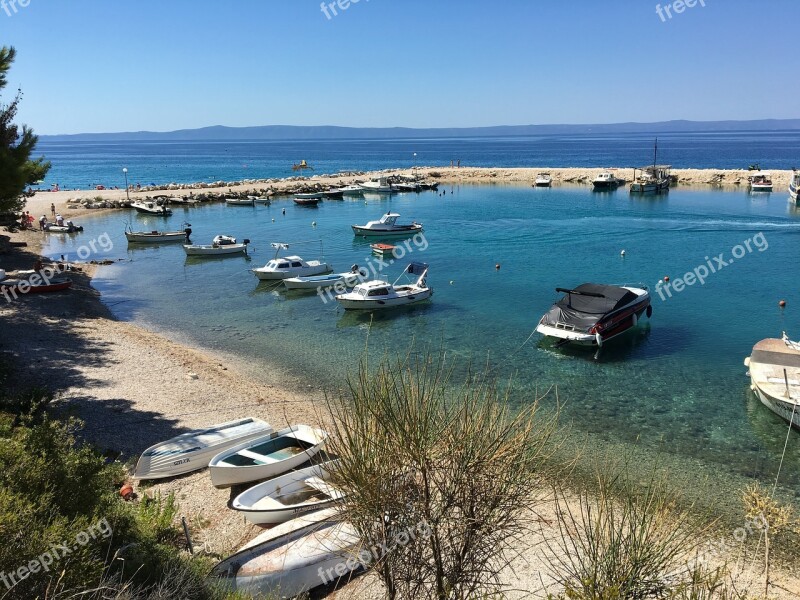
{"points": [[308, 271], [23, 287], [193, 451], [605, 185], [141, 237], [794, 189], [63, 228], [785, 410], [313, 283], [228, 250], [649, 188], [292, 558], [260, 504], [307, 443], [398, 231], [382, 304], [248, 202]]}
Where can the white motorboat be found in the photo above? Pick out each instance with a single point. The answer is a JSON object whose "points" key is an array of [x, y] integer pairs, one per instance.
{"points": [[193, 450], [67, 227], [294, 557], [377, 294], [249, 201], [592, 314], [382, 186], [794, 185], [543, 180], [352, 190], [348, 280], [309, 196], [266, 456], [775, 377], [260, 199], [152, 208], [290, 266], [760, 181], [606, 180], [387, 226], [221, 245], [289, 495]]}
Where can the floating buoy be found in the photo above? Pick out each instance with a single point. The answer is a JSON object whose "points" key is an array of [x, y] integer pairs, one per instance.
{"points": [[452, 282], [622, 253], [313, 223], [126, 491], [273, 220], [666, 277], [284, 212], [497, 266], [782, 303]]}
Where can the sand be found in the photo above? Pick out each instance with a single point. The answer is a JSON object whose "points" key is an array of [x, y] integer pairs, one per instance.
{"points": [[71, 203], [134, 388]]}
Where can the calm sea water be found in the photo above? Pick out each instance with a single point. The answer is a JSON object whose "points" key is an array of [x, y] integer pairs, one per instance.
{"points": [[677, 384], [85, 165]]}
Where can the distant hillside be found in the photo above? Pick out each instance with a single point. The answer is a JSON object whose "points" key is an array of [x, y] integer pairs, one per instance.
{"points": [[288, 132]]}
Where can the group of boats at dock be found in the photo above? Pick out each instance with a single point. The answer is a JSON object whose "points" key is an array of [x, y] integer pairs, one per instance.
{"points": [[383, 185]]}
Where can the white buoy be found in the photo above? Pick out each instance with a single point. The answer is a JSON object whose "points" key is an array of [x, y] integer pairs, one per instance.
{"points": [[622, 253], [313, 223], [273, 220]]}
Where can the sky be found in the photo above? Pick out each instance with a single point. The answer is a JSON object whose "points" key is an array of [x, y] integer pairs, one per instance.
{"points": [[100, 66]]}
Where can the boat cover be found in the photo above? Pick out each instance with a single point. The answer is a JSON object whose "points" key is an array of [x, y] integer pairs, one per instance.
{"points": [[587, 304]]}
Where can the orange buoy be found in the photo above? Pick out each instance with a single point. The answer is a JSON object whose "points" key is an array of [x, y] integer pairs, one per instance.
{"points": [[126, 491], [782, 303]]}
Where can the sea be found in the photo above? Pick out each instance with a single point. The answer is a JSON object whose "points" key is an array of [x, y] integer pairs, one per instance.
{"points": [[675, 388]]}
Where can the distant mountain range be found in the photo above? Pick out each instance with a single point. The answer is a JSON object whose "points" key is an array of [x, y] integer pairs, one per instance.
{"points": [[288, 132]]}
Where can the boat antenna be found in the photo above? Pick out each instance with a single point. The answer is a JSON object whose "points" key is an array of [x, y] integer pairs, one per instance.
{"points": [[655, 153]]}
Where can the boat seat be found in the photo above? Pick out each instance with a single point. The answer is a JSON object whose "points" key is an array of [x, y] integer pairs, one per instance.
{"points": [[324, 487], [257, 457]]}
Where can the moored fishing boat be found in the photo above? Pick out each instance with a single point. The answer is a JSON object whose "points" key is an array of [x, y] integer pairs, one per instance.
{"points": [[794, 185], [652, 179], [151, 208], [348, 280], [774, 369], [286, 497], [248, 201], [193, 450], [290, 266], [352, 190], [379, 295], [543, 180], [158, 237], [592, 314], [221, 245], [382, 186], [266, 456], [387, 226], [312, 201], [260, 199], [606, 180], [291, 559]]}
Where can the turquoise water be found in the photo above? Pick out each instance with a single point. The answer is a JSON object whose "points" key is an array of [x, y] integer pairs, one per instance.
{"points": [[677, 383]]}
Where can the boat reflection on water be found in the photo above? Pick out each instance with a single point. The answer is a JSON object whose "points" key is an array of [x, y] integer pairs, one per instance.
{"points": [[771, 431], [384, 319]]}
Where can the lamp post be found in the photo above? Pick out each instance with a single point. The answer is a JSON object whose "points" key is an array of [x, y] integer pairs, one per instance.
{"points": [[413, 171], [127, 193]]}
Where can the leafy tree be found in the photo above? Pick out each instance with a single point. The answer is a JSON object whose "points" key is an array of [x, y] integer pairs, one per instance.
{"points": [[17, 170]]}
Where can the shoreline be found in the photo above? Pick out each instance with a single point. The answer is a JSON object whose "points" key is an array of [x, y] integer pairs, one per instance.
{"points": [[75, 203], [135, 387]]}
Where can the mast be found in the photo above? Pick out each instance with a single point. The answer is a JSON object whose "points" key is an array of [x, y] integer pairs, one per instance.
{"points": [[655, 154]]}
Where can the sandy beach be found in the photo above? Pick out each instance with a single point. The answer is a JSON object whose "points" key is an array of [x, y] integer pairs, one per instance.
{"points": [[134, 387], [73, 203]]}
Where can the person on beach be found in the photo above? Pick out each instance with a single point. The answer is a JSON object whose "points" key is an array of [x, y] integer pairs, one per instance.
{"points": [[42, 222], [59, 220], [53, 210]]}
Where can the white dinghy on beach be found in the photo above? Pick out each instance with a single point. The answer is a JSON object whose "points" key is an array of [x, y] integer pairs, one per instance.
{"points": [[193, 450]]}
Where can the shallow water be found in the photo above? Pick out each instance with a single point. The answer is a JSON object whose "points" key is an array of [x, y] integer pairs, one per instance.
{"points": [[677, 384]]}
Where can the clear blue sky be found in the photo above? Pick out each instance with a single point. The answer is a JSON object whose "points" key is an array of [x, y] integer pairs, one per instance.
{"points": [[99, 66]]}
